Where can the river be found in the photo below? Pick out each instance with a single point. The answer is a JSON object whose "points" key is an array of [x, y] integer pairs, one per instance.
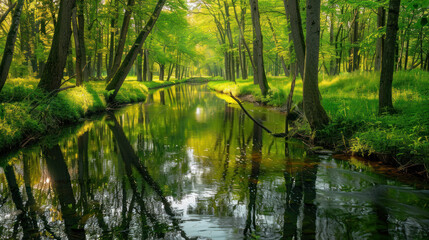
{"points": [[189, 165]]}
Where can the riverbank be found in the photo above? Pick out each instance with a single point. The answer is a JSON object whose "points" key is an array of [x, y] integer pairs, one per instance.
{"points": [[351, 101], [26, 113]]}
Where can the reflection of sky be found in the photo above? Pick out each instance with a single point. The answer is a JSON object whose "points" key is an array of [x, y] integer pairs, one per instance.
{"points": [[204, 226], [210, 196]]}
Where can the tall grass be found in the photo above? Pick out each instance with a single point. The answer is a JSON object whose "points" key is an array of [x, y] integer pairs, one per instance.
{"points": [[351, 101]]}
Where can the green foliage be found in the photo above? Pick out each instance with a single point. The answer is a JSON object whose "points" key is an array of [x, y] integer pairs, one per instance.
{"points": [[16, 123], [26, 112], [351, 100], [18, 89]]}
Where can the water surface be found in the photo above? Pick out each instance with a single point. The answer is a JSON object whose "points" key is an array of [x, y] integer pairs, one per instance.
{"points": [[187, 164]]}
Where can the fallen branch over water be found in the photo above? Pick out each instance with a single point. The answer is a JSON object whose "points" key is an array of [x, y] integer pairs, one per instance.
{"points": [[280, 135]]}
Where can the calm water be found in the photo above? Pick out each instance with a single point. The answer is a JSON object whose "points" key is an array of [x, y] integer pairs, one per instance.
{"points": [[186, 164]]}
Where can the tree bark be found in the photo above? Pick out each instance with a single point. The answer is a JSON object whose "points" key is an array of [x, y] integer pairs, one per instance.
{"points": [[128, 62], [54, 68], [381, 19], [99, 64], [258, 56], [113, 32], [81, 38], [121, 42], [355, 42], [10, 44], [241, 23], [314, 112], [145, 65], [332, 62], [161, 71], [231, 43], [385, 104], [294, 17], [139, 68], [79, 68]]}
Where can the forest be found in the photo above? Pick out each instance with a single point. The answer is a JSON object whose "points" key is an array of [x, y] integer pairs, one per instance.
{"points": [[214, 119]]}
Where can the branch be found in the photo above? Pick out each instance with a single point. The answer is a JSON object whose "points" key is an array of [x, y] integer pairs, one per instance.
{"points": [[3, 17], [282, 135]]}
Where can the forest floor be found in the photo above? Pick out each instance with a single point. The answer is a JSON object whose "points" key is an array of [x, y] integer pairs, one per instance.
{"points": [[351, 101], [27, 113]]}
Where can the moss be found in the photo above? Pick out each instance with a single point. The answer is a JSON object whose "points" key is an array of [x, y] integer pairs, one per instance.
{"points": [[19, 119], [27, 112]]}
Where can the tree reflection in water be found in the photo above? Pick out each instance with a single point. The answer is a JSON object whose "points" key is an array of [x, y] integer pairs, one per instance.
{"points": [[189, 164]]}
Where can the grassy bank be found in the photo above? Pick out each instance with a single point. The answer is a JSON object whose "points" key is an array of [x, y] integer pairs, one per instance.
{"points": [[351, 101], [26, 113]]}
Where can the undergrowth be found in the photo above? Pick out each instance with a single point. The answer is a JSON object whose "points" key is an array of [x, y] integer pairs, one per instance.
{"points": [[351, 101]]}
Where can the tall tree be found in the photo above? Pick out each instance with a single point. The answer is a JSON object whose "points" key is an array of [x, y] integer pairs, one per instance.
{"points": [[124, 69], [81, 38], [54, 67], [10, 44], [314, 112], [381, 19], [385, 104], [258, 48], [79, 68], [121, 42], [354, 52], [294, 17]]}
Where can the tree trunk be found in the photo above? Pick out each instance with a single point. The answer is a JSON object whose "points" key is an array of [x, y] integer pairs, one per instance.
{"points": [[161, 71], [139, 67], [113, 32], [81, 38], [170, 71], [381, 19], [3, 17], [121, 42], [79, 68], [241, 23], [231, 64], [128, 62], [385, 104], [314, 112], [54, 67], [150, 70], [332, 62], [294, 17], [145, 64], [355, 42], [10, 44], [406, 53], [258, 47], [99, 63]]}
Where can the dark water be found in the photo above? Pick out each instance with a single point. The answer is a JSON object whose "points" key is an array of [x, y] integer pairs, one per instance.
{"points": [[189, 165]]}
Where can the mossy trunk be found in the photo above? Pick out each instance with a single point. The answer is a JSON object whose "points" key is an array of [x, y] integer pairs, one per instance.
{"points": [[10, 44], [54, 67], [314, 112]]}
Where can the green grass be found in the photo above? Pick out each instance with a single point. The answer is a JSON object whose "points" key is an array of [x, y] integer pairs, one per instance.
{"points": [[351, 101], [20, 120]]}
